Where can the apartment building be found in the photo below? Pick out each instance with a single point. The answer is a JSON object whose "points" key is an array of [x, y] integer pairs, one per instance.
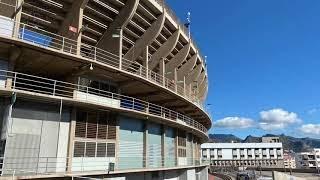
{"points": [[243, 154], [308, 159]]}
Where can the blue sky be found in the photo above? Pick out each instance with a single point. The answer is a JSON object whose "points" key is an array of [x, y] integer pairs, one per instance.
{"points": [[263, 63]]}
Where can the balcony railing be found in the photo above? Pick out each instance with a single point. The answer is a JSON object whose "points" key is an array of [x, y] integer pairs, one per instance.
{"points": [[44, 39], [87, 94], [31, 166]]}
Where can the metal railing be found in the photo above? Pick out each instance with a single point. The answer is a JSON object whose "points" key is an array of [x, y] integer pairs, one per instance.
{"points": [[39, 37], [22, 166], [78, 92]]}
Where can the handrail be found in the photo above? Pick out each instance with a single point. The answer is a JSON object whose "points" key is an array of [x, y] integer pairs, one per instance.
{"points": [[45, 39], [44, 165], [26, 82]]}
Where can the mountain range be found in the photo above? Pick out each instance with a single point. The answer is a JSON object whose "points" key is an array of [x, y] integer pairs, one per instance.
{"points": [[289, 142]]}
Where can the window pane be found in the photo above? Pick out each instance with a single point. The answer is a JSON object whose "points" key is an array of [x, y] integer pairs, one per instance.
{"points": [[102, 125], [112, 127], [78, 150], [92, 125], [101, 149], [90, 149], [80, 130], [111, 150]]}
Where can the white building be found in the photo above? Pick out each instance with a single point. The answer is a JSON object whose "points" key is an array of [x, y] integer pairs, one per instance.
{"points": [[308, 159], [243, 154], [289, 160]]}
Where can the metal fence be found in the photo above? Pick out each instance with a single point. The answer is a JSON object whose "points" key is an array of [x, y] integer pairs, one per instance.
{"points": [[42, 38], [28, 166], [52, 87]]}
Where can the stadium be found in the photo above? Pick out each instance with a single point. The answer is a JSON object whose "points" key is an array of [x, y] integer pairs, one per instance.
{"points": [[100, 89]]}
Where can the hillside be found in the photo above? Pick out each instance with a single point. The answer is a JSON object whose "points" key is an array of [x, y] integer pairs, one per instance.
{"points": [[289, 143]]}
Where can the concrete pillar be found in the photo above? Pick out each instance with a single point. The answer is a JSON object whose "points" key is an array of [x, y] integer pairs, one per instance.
{"points": [[71, 139], [162, 70], [17, 18], [120, 47], [176, 147], [184, 86], [14, 54], [145, 59], [74, 19], [175, 79], [145, 145], [117, 141]]}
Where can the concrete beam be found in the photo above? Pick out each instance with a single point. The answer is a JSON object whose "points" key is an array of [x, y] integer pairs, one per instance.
{"points": [[194, 74], [201, 78], [177, 60], [187, 67], [146, 39], [203, 90], [144, 94], [164, 50], [107, 42]]}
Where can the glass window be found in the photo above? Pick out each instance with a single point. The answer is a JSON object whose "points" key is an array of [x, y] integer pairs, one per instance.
{"points": [[90, 149], [78, 150]]}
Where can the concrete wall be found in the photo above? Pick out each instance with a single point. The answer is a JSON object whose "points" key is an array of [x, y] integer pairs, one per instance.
{"points": [[183, 174], [38, 137], [283, 176]]}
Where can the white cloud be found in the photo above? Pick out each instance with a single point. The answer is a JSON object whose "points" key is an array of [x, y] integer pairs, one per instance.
{"points": [[310, 129], [234, 122], [277, 119]]}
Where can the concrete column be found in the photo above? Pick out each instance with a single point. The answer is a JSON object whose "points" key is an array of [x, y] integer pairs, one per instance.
{"points": [[175, 79], [17, 18], [14, 54], [176, 146], [184, 86], [162, 70], [71, 139], [145, 145], [120, 47], [74, 18], [145, 59], [117, 141]]}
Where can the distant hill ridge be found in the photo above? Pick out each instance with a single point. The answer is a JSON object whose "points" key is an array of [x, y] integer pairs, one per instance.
{"points": [[289, 143]]}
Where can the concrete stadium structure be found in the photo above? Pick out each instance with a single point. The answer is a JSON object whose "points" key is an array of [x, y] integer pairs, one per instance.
{"points": [[111, 88]]}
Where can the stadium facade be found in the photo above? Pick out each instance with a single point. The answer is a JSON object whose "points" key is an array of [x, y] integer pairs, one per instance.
{"points": [[100, 88]]}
